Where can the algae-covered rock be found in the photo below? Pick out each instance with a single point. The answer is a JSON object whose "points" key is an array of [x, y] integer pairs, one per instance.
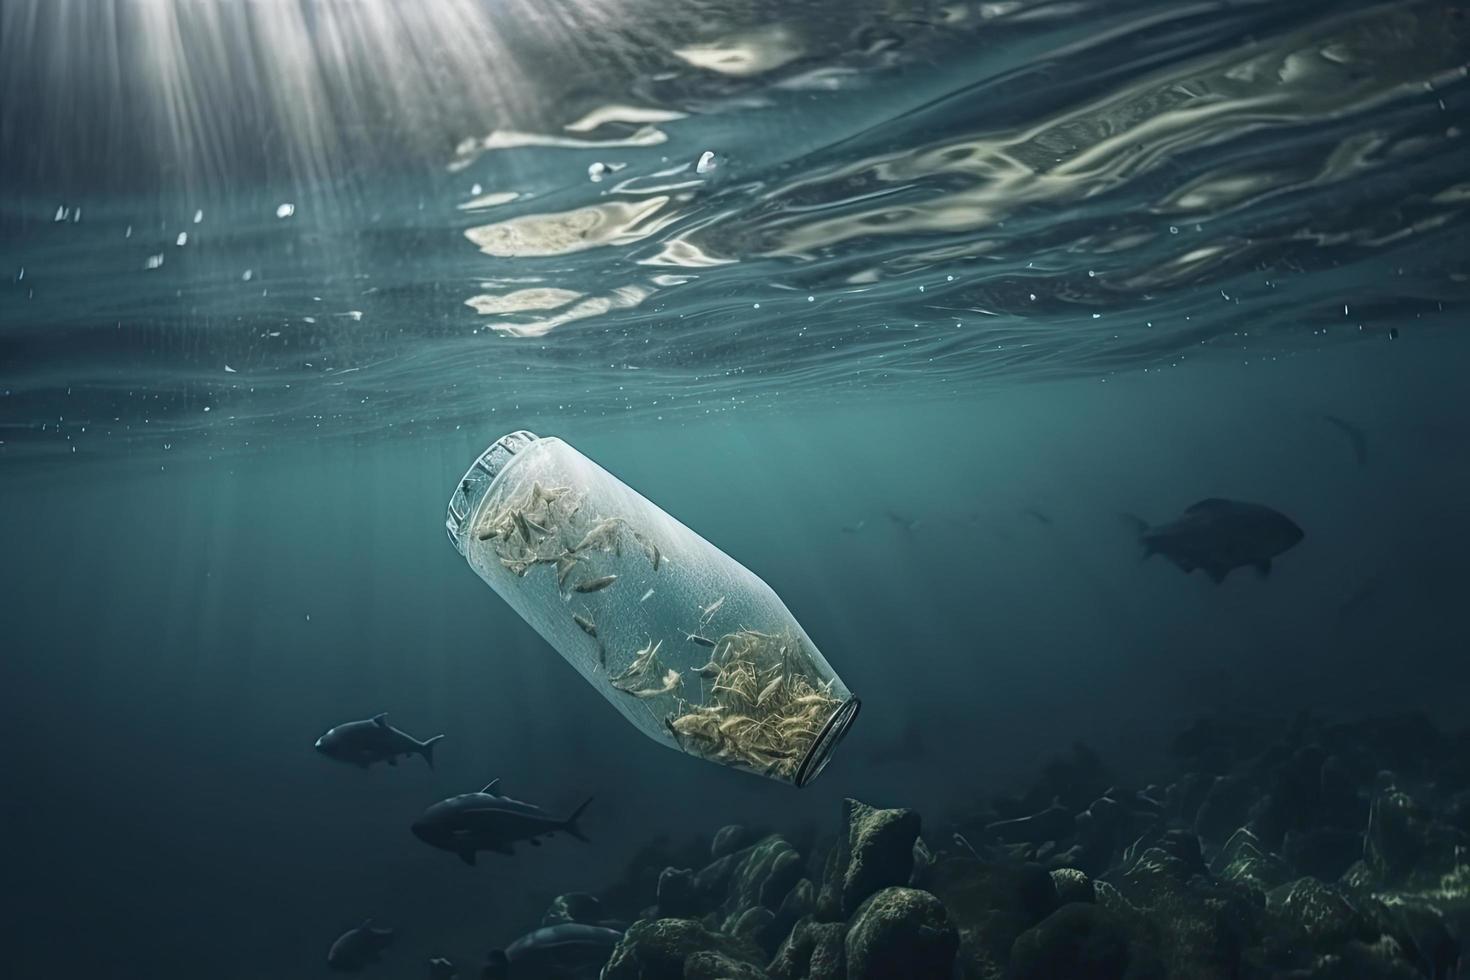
{"points": [[813, 951], [1418, 928], [876, 851], [656, 949], [1359, 961], [1406, 844], [1082, 941], [1320, 916], [1245, 861], [901, 932], [728, 840], [759, 876], [799, 903], [573, 907], [1072, 886], [1200, 926], [755, 924], [990, 904], [718, 966]]}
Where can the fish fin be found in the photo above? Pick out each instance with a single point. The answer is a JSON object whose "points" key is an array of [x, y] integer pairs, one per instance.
{"points": [[381, 720], [1263, 567], [1217, 573], [570, 824], [534, 842], [468, 857], [491, 788], [426, 749]]}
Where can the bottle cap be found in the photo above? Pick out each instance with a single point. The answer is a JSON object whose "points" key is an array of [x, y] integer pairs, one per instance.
{"points": [[477, 479]]}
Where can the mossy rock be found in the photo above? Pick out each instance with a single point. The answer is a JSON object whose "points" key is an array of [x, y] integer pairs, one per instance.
{"points": [[901, 932]]}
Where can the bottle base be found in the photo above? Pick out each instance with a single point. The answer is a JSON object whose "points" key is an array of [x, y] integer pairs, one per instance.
{"points": [[820, 753]]}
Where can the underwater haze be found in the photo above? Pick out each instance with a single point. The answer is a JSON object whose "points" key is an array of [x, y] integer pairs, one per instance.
{"points": [[958, 324]]}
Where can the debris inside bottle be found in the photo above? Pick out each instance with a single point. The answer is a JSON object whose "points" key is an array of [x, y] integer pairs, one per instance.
{"points": [[753, 699], [764, 708]]}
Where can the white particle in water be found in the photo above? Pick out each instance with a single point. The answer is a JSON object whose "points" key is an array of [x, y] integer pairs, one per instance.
{"points": [[61, 213], [198, 216], [247, 275], [1033, 297], [154, 261], [476, 189], [706, 162], [182, 240], [285, 210], [129, 232], [1173, 230], [229, 370], [206, 408], [756, 306], [1091, 274], [811, 299], [596, 171]]}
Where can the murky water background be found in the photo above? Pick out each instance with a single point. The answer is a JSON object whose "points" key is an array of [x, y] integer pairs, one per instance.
{"points": [[965, 280]]}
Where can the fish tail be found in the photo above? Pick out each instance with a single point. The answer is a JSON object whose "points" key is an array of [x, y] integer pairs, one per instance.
{"points": [[1139, 527], [570, 824], [426, 749]]}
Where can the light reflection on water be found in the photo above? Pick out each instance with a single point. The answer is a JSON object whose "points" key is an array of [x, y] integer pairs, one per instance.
{"points": [[980, 194]]}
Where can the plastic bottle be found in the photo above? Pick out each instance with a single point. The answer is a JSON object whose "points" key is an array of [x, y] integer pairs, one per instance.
{"points": [[689, 645]]}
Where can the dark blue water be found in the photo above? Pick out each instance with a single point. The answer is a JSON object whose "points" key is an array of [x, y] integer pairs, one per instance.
{"points": [[971, 281]]}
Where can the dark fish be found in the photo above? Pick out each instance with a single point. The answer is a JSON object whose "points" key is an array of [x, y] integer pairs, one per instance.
{"points": [[1040, 517], [595, 584], [570, 949], [586, 625], [356, 948], [487, 821], [1219, 535], [364, 742], [904, 522], [1355, 436]]}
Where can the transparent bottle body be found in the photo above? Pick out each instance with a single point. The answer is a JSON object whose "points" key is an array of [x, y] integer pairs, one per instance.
{"points": [[689, 645]]}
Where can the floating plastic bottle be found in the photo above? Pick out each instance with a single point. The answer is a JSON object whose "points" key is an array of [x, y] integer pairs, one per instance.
{"points": [[689, 645]]}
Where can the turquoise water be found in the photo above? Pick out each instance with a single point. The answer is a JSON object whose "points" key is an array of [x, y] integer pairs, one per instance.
{"points": [[960, 287]]}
